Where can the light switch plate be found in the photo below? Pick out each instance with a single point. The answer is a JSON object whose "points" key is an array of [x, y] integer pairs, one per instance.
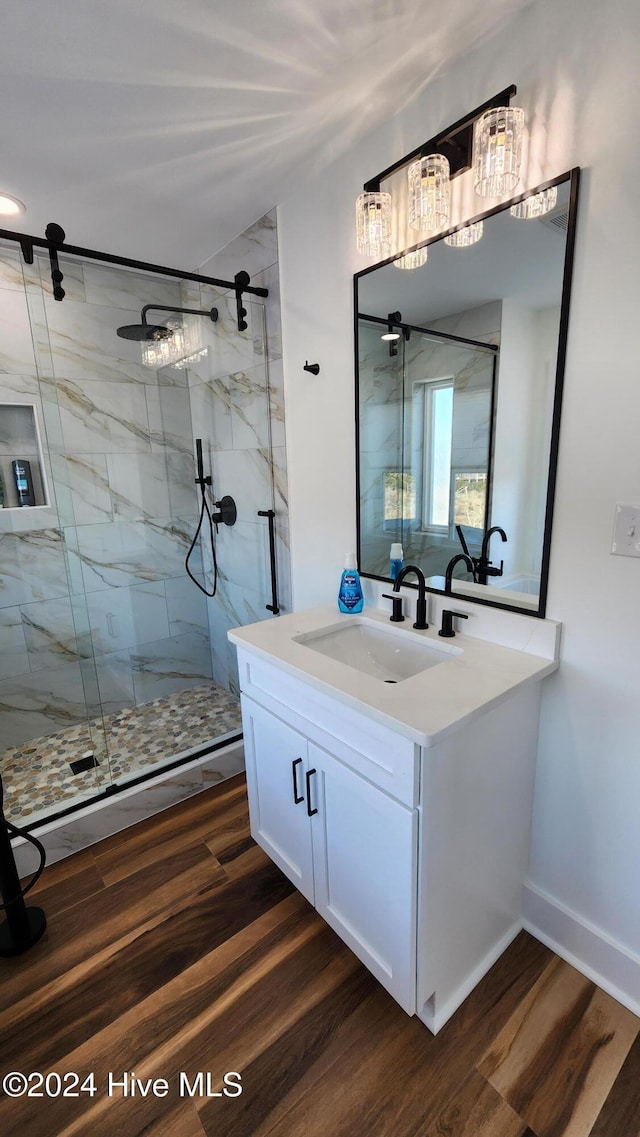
{"points": [[626, 531]]}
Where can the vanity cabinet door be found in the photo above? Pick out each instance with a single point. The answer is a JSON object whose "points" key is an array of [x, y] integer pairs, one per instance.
{"points": [[276, 762], [365, 866]]}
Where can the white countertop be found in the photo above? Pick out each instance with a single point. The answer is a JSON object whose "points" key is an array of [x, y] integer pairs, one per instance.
{"points": [[423, 707]]}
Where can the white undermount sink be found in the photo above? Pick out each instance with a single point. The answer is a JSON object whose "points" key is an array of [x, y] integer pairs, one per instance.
{"points": [[388, 654]]}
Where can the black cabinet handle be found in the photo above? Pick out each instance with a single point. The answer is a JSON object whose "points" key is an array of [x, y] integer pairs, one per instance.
{"points": [[296, 799], [310, 811]]}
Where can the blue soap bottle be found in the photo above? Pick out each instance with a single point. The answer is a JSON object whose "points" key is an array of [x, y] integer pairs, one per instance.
{"points": [[395, 560], [350, 597]]}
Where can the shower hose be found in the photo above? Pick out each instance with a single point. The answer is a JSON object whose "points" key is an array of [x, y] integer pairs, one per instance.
{"points": [[205, 512]]}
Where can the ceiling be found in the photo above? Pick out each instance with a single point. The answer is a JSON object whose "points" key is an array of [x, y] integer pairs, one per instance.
{"points": [[160, 129]]}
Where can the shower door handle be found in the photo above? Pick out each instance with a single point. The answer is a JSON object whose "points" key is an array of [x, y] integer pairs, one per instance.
{"points": [[270, 514]]}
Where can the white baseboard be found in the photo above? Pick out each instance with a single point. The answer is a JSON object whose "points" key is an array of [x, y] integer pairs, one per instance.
{"points": [[584, 946]]}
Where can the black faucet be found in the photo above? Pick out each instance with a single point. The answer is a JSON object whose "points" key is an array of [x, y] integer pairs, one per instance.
{"points": [[421, 603], [450, 567], [484, 568]]}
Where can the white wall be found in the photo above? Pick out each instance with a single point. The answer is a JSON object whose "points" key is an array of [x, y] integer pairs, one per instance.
{"points": [[575, 65]]}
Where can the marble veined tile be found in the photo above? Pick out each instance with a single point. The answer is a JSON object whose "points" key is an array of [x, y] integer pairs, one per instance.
{"points": [[33, 566], [169, 665], [101, 417], [12, 269], [252, 251], [276, 401], [36, 704], [186, 605], [228, 349], [135, 552], [243, 556], [16, 345], [114, 682], [125, 616], [115, 287], [249, 408], [49, 633], [184, 495], [139, 486], [13, 649], [246, 476], [267, 323], [169, 418], [211, 412], [84, 477]]}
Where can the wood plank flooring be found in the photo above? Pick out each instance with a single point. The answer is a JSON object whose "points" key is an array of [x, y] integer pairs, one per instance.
{"points": [[177, 947]]}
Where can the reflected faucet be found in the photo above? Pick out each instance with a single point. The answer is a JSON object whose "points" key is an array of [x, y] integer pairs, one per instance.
{"points": [[484, 568], [421, 603], [450, 567]]}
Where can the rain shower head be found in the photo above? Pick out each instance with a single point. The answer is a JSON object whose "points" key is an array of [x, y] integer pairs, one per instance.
{"points": [[145, 332]]}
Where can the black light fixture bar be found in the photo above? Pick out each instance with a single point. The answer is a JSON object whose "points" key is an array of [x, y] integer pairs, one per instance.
{"points": [[455, 142]]}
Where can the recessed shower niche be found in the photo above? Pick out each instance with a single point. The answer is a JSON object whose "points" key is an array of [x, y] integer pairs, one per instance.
{"points": [[22, 480]]}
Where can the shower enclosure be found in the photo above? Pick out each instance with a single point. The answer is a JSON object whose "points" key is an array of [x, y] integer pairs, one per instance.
{"points": [[113, 663]]}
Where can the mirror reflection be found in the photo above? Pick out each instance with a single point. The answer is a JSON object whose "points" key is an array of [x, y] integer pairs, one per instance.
{"points": [[456, 408]]}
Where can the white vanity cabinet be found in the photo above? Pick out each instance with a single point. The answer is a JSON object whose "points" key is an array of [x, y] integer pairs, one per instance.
{"points": [[401, 811], [350, 848]]}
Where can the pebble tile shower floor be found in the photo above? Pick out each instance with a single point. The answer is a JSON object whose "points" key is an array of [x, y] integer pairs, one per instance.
{"points": [[37, 775]]}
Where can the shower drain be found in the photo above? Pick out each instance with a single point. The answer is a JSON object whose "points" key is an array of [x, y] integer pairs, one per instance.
{"points": [[87, 762]]}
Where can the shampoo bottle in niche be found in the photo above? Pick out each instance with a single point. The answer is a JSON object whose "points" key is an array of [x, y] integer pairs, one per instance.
{"points": [[350, 598], [395, 560], [24, 481]]}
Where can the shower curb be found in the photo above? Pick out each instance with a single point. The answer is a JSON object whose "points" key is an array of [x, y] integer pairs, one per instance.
{"points": [[91, 823]]}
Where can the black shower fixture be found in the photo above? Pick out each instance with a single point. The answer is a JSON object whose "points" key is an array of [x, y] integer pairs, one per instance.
{"points": [[145, 332]]}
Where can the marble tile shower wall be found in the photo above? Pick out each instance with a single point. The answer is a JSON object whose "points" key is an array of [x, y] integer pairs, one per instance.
{"points": [[100, 568], [237, 404]]}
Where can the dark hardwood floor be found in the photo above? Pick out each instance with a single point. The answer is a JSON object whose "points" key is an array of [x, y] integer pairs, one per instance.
{"points": [[177, 947]]}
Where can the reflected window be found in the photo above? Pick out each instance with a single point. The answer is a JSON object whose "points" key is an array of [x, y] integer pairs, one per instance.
{"points": [[399, 496], [438, 434], [469, 497]]}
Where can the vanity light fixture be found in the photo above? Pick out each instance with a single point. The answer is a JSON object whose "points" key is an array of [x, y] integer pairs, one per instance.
{"points": [[429, 193], [416, 259], [469, 235], [373, 223], [11, 206], [488, 140], [536, 205], [497, 151]]}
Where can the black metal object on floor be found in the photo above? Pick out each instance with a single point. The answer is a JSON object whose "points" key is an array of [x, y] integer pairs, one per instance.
{"points": [[23, 926]]}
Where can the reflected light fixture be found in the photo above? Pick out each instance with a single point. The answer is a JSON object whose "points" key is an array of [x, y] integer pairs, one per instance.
{"points": [[469, 235], [497, 151], [536, 205], [416, 259], [429, 193], [10, 206], [488, 141], [373, 223]]}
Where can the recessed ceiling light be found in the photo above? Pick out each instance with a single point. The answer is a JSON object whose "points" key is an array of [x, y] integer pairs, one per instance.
{"points": [[10, 206]]}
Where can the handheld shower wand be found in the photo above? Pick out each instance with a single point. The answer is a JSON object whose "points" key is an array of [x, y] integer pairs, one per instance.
{"points": [[226, 514]]}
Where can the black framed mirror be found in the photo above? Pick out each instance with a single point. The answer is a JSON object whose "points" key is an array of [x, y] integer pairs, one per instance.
{"points": [[458, 415]]}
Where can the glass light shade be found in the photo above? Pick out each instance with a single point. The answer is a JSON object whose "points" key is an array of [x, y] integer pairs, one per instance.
{"points": [[373, 224], [462, 238], [497, 151], [177, 350], [416, 259], [535, 206], [429, 193]]}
